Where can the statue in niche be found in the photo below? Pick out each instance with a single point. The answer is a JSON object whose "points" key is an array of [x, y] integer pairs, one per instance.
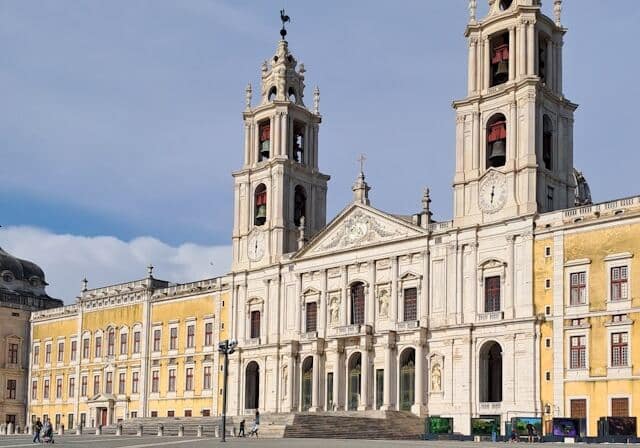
{"points": [[383, 309], [436, 378], [334, 310], [285, 379]]}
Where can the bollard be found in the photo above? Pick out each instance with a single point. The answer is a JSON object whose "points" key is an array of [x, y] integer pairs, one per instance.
{"points": [[10, 429], [140, 429], [61, 430], [216, 432], [119, 430], [181, 431], [160, 430], [99, 430], [199, 430], [78, 430]]}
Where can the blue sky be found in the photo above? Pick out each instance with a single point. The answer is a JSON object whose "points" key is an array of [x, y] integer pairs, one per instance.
{"points": [[123, 118]]}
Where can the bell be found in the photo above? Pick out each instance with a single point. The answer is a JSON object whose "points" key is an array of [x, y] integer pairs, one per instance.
{"points": [[265, 148], [261, 214], [502, 72], [498, 153]]}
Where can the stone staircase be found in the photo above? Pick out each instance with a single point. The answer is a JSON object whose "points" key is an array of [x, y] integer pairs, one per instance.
{"points": [[390, 425]]}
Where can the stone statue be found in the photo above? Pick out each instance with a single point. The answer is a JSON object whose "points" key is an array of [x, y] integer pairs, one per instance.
{"points": [[285, 379], [436, 378], [248, 92], [316, 100], [335, 310], [383, 310], [473, 6]]}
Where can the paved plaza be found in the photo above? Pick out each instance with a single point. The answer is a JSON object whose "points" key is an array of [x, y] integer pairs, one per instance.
{"points": [[72, 441]]}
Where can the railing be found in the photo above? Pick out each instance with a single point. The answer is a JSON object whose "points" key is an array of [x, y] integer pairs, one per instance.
{"points": [[408, 325], [493, 315], [309, 336], [618, 204], [350, 330], [55, 312], [490, 406], [438, 226], [252, 342]]}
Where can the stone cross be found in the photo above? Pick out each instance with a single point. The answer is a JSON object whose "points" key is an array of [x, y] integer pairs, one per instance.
{"points": [[362, 159]]}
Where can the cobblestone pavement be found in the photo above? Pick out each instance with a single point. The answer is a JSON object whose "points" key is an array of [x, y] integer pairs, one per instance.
{"points": [[72, 441]]}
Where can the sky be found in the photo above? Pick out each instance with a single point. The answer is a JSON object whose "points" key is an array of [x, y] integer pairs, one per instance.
{"points": [[121, 121]]}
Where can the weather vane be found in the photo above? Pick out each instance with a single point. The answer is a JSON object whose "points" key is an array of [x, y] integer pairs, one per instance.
{"points": [[285, 18]]}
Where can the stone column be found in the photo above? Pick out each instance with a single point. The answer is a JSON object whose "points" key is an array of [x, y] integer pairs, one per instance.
{"points": [[559, 86], [394, 290], [387, 401], [531, 46], [364, 377], [485, 64], [322, 328], [473, 45], [242, 311], [345, 297], [275, 125], [338, 371], [247, 144], [315, 394], [285, 143], [298, 306], [371, 297], [477, 140], [522, 49], [549, 65], [418, 405], [512, 53], [512, 136]]}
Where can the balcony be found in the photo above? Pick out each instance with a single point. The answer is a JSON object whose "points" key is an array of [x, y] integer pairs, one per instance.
{"points": [[252, 342], [490, 407], [350, 330], [407, 325], [309, 336]]}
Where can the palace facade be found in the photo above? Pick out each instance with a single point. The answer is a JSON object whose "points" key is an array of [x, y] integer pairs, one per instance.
{"points": [[521, 305]]}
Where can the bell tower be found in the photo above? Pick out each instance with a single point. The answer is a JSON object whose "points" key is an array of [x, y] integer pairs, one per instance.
{"points": [[279, 192], [514, 129]]}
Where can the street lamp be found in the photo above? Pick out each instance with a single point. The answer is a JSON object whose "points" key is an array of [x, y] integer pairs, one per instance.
{"points": [[225, 347]]}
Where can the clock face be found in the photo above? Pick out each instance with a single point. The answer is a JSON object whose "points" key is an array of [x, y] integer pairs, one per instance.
{"points": [[493, 193], [255, 246]]}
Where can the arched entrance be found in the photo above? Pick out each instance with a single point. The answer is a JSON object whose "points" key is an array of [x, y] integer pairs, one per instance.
{"points": [[490, 373], [307, 383], [355, 369], [252, 386], [407, 379]]}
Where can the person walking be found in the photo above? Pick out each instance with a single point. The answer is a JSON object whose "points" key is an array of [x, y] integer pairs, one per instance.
{"points": [[37, 427], [530, 432], [241, 430], [256, 425]]}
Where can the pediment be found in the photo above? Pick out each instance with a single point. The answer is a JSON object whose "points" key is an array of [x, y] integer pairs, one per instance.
{"points": [[359, 226]]}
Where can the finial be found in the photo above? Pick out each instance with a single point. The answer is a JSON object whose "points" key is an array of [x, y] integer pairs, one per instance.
{"points": [[284, 18], [557, 12], [85, 282], [360, 187], [316, 100], [264, 67], [301, 236], [150, 271], [248, 91], [362, 158], [473, 6], [426, 200]]}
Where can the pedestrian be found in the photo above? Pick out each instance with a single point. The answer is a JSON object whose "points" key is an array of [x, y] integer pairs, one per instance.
{"points": [[530, 432], [514, 436], [37, 427], [241, 431], [256, 425]]}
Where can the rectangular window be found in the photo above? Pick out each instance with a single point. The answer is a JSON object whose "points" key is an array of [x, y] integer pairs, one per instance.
{"points": [[111, 342], [206, 412], [191, 336], [619, 349], [173, 338], [312, 317], [60, 351], [121, 383], [74, 350], [136, 342], [410, 304], [134, 382], [171, 413], [83, 386], [134, 414], [255, 324], [13, 353], [208, 334], [188, 385], [59, 388], [36, 355], [492, 294], [357, 304], [98, 353], [156, 340], [12, 386], [124, 340], [34, 390], [85, 349], [187, 412], [379, 387], [96, 384], [578, 285], [620, 407], [578, 352], [206, 380], [155, 381], [154, 413], [172, 380], [619, 285], [579, 408], [72, 387], [83, 420], [70, 421], [45, 392], [47, 354], [108, 387]]}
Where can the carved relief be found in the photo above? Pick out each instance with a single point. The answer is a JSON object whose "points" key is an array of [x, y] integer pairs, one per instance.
{"points": [[357, 229], [436, 373], [383, 302], [334, 310]]}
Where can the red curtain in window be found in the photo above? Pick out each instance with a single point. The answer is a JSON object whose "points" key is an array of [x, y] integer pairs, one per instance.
{"points": [[500, 53], [497, 131], [265, 132]]}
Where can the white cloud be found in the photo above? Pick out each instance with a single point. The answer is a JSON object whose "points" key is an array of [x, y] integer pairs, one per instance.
{"points": [[104, 260]]}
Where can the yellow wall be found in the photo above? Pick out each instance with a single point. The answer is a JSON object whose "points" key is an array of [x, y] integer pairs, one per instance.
{"points": [[224, 307]]}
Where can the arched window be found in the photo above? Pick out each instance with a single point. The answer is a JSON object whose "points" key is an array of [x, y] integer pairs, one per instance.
{"points": [[299, 143], [252, 386], [490, 373], [354, 381], [547, 143], [264, 137], [499, 59], [260, 205], [273, 92], [299, 204], [407, 379], [505, 4], [292, 94], [255, 324], [357, 303], [496, 141], [307, 383]]}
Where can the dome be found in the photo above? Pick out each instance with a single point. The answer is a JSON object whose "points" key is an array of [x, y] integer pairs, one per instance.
{"points": [[31, 270], [10, 263]]}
